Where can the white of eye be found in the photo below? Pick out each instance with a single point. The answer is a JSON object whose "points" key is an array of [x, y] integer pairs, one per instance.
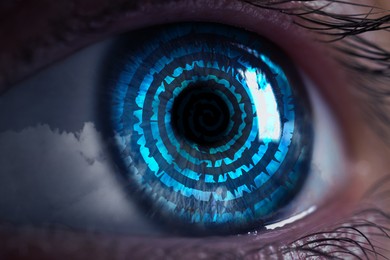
{"points": [[328, 171]]}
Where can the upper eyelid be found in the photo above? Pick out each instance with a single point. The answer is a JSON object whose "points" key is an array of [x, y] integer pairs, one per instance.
{"points": [[67, 26], [57, 44], [72, 30]]}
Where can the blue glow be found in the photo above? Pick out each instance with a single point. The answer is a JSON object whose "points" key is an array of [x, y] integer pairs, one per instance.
{"points": [[250, 173]]}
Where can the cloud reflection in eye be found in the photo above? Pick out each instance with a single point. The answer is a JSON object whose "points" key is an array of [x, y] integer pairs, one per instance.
{"points": [[62, 178], [54, 168]]}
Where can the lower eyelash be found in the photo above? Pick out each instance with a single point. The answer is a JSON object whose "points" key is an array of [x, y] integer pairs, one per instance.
{"points": [[365, 235], [357, 238]]}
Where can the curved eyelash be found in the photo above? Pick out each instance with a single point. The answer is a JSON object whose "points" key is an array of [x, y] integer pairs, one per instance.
{"points": [[365, 235], [369, 62], [355, 238], [339, 26]]}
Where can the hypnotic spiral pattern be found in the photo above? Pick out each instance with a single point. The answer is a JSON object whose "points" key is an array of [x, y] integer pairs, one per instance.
{"points": [[209, 129]]}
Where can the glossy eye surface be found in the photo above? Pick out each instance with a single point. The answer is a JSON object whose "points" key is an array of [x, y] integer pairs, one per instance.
{"points": [[212, 127]]}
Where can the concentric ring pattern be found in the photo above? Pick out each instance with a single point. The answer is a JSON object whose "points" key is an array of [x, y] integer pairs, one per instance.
{"points": [[210, 132]]}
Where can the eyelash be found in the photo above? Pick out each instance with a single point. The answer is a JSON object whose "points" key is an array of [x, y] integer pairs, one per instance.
{"points": [[352, 236], [349, 238], [370, 62], [346, 29]]}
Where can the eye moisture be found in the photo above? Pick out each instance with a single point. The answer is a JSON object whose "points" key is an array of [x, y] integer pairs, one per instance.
{"points": [[213, 131]]}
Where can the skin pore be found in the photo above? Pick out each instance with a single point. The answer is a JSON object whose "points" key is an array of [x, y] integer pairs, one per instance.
{"points": [[361, 227]]}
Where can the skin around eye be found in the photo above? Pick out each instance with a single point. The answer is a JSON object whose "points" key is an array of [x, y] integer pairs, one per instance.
{"points": [[348, 118]]}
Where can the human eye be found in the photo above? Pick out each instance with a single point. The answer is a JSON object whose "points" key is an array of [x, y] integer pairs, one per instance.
{"points": [[352, 81]]}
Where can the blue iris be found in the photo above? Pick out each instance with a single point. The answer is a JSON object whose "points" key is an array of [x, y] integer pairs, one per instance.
{"points": [[212, 127]]}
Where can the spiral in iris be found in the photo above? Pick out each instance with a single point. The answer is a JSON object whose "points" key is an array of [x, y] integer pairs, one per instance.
{"points": [[209, 128], [200, 114]]}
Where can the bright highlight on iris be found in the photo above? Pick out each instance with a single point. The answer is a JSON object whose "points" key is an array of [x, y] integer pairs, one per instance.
{"points": [[212, 128]]}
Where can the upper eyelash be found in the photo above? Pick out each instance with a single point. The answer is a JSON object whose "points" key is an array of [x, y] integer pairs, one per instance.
{"points": [[369, 63], [343, 29], [348, 27], [356, 235]]}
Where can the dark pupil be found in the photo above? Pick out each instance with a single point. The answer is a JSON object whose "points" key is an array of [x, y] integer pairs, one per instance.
{"points": [[200, 115]]}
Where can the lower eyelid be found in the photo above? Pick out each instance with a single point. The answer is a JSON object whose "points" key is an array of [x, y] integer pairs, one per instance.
{"points": [[43, 243]]}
